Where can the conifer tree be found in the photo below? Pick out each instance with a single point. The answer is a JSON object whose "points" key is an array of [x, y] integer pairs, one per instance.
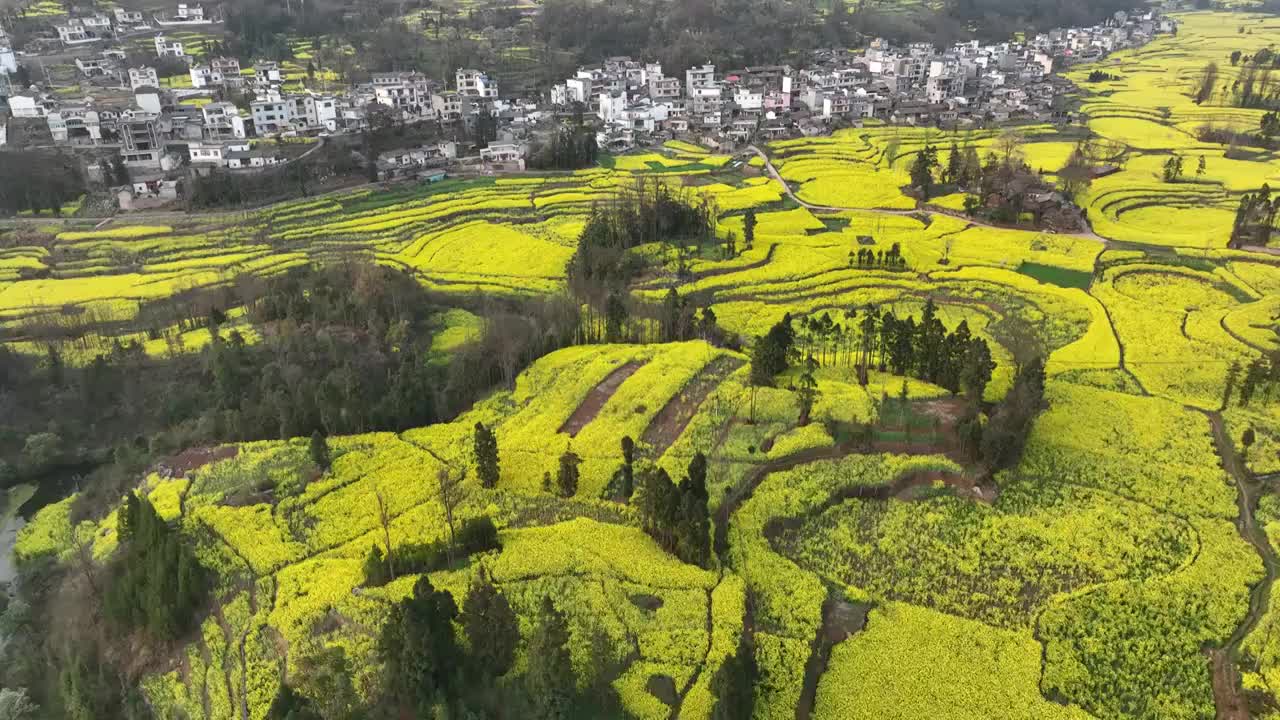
{"points": [[486, 451]]}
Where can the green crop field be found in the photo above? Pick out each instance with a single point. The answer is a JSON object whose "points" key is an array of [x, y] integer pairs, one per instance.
{"points": [[1110, 571]]}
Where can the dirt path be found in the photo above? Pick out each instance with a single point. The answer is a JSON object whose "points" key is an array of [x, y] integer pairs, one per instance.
{"points": [[598, 396], [674, 417], [1089, 234], [1227, 693], [840, 619]]}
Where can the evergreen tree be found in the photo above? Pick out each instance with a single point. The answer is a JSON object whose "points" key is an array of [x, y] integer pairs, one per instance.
{"points": [[567, 474], [657, 501], [159, 584], [418, 649], [319, 450], [486, 451], [749, 228], [955, 165], [922, 170], [734, 683], [807, 389], [491, 628], [375, 567], [550, 679]]}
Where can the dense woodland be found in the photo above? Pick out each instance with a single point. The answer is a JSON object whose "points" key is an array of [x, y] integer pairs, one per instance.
{"points": [[342, 350]]}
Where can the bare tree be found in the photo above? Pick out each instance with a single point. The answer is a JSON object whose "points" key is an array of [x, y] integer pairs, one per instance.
{"points": [[385, 519], [452, 494], [1009, 144], [82, 554]]}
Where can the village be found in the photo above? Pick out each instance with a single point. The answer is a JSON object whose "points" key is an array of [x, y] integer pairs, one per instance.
{"points": [[143, 132]]}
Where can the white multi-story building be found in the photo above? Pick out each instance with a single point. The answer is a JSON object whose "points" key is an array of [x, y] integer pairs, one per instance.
{"points": [[128, 17], [168, 48], [75, 121], [697, 76], [271, 115], [144, 76], [218, 72], [190, 12], [405, 91], [80, 30], [222, 121], [475, 84]]}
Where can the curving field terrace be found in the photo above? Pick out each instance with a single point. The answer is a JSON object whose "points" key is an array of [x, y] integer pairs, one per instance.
{"points": [[1088, 580]]}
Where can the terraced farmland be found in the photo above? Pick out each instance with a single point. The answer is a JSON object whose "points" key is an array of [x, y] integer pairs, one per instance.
{"points": [[1120, 568]]}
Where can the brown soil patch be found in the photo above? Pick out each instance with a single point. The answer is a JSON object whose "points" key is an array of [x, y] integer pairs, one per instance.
{"points": [[663, 688], [675, 416], [1227, 695], [192, 459], [598, 396]]}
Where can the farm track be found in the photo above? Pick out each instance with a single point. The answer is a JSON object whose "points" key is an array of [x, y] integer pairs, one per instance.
{"points": [[671, 421], [1227, 692], [597, 397]]}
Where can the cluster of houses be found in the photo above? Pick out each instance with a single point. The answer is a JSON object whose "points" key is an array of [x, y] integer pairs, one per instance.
{"points": [[194, 125], [967, 84]]}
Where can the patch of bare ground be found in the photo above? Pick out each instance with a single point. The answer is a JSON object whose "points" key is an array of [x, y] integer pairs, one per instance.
{"points": [[598, 396], [675, 416], [840, 619], [192, 459]]}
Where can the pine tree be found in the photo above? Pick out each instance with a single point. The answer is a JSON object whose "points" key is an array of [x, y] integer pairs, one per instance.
{"points": [[550, 679], [749, 229], [733, 685], [955, 165], [486, 451], [807, 390], [418, 648], [375, 567], [567, 475], [319, 450], [491, 627], [922, 170]]}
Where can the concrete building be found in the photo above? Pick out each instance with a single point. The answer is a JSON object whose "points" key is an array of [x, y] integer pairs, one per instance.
{"points": [[168, 48], [475, 84], [140, 143], [696, 76], [144, 76], [222, 121]]}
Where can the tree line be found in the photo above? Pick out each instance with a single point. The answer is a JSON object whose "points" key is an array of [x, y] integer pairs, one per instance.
{"points": [[341, 349], [1255, 219], [39, 181], [878, 339]]}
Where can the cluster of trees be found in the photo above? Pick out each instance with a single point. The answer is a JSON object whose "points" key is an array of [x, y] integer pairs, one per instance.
{"points": [[998, 442], [676, 516], [429, 671], [1269, 125], [344, 349], [156, 584], [1255, 218], [39, 181], [1261, 380], [568, 147], [1101, 76], [955, 359], [476, 535], [298, 178], [650, 211], [890, 259], [1254, 86]]}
